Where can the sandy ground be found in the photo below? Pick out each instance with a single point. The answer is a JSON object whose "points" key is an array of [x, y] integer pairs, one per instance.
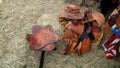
{"points": [[16, 20]]}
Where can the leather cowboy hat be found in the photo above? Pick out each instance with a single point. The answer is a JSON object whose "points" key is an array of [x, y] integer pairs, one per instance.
{"points": [[42, 38], [71, 11]]}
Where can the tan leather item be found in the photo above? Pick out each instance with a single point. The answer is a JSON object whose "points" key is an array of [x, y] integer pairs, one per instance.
{"points": [[42, 38], [75, 27], [99, 18], [71, 36], [49, 47], [86, 45], [82, 48], [71, 11]]}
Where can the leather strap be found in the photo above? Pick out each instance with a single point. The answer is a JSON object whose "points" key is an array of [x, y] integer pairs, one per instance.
{"points": [[84, 34]]}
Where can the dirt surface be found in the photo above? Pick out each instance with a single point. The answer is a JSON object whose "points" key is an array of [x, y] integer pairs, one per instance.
{"points": [[16, 20]]}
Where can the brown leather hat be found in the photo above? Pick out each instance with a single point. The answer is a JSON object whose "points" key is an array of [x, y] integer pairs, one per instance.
{"points": [[42, 38], [71, 11]]}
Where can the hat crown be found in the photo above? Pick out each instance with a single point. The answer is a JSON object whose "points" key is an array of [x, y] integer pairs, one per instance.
{"points": [[72, 9]]}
